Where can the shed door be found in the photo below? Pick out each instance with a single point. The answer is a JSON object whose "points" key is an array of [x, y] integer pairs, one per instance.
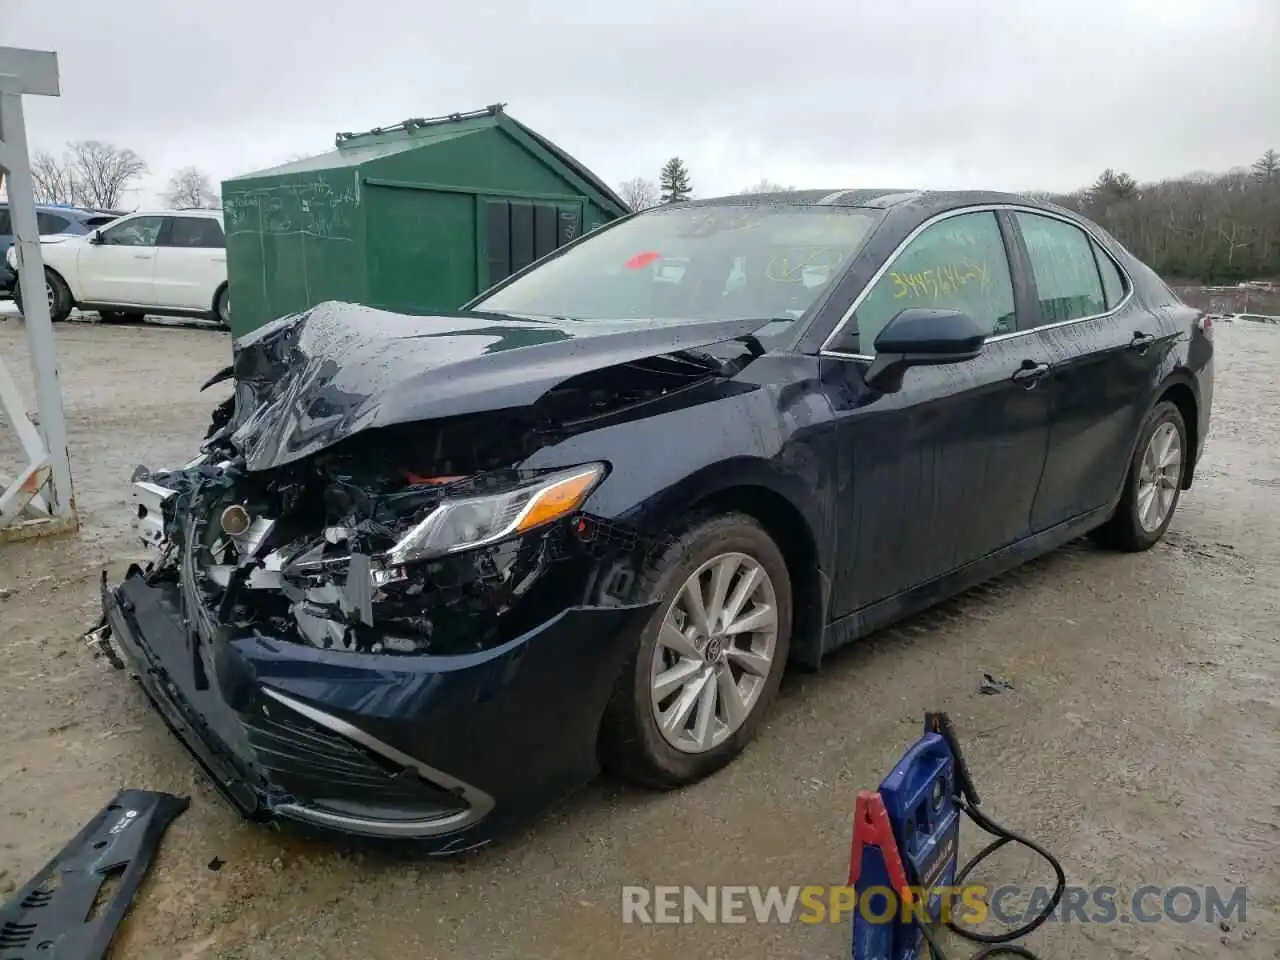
{"points": [[518, 232]]}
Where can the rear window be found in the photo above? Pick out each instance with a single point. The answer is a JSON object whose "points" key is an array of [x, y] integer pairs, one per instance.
{"points": [[684, 262], [50, 223], [1063, 265], [204, 232], [1113, 285]]}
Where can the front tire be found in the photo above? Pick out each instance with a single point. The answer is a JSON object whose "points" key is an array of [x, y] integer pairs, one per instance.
{"points": [[57, 294], [696, 688], [1153, 485]]}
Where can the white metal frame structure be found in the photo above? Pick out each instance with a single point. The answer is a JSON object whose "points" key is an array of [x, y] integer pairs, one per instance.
{"points": [[38, 500]]}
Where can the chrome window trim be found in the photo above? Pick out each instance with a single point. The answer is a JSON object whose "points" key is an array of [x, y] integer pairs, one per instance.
{"points": [[826, 351], [479, 802]]}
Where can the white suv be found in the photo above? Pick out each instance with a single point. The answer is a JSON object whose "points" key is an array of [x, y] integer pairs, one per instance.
{"points": [[166, 262]]}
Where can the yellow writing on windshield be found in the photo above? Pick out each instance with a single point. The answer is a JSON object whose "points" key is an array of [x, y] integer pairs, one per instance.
{"points": [[790, 267], [940, 281]]}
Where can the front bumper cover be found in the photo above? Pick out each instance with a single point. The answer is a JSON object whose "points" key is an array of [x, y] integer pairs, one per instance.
{"points": [[446, 750]]}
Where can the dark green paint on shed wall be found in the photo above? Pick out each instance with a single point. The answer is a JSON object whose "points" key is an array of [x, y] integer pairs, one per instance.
{"points": [[415, 218]]}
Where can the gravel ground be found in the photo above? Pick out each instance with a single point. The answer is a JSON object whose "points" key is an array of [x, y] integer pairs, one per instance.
{"points": [[1139, 741]]}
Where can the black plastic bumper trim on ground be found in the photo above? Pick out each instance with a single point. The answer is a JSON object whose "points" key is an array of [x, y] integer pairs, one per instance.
{"points": [[54, 915]]}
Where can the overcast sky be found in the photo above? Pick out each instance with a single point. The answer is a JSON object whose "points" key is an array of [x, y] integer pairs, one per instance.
{"points": [[1014, 94]]}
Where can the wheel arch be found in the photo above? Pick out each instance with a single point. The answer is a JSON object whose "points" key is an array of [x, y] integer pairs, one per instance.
{"points": [[1179, 390], [50, 268], [791, 530]]}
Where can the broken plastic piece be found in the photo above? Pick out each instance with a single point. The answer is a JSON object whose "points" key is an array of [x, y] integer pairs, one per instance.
{"points": [[992, 685], [58, 913]]}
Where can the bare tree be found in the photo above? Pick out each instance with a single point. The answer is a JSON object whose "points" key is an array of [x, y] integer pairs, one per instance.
{"points": [[102, 172], [640, 194], [765, 185], [190, 188], [53, 179]]}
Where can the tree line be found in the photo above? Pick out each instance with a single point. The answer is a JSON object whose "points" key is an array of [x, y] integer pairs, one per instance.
{"points": [[674, 184], [1211, 228], [94, 174], [1208, 228]]}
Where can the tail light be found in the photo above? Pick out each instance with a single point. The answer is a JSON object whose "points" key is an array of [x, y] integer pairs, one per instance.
{"points": [[1205, 325]]}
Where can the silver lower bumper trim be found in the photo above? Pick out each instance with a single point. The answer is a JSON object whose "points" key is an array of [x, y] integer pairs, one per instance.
{"points": [[479, 803]]}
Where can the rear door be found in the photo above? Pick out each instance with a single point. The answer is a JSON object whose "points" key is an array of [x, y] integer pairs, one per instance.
{"points": [[944, 471], [120, 268], [1105, 349], [191, 262]]}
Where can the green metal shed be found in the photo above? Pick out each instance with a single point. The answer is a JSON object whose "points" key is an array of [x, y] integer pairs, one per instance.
{"points": [[417, 217]]}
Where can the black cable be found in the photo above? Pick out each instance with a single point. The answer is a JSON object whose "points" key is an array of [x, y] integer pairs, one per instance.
{"points": [[998, 944]]}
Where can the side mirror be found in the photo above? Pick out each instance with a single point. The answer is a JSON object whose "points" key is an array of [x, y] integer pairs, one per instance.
{"points": [[96, 237], [918, 337]]}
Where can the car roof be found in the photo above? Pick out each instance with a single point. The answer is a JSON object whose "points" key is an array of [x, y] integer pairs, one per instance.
{"points": [[189, 212], [68, 210], [879, 198]]}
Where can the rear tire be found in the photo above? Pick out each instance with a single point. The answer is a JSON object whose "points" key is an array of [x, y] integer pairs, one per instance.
{"points": [[719, 723], [57, 293], [1153, 485], [221, 313]]}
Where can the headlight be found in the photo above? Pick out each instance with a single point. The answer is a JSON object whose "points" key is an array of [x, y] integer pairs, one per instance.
{"points": [[464, 524], [11, 257]]}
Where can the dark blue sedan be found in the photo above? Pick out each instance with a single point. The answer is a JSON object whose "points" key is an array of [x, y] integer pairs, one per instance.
{"points": [[427, 574]]}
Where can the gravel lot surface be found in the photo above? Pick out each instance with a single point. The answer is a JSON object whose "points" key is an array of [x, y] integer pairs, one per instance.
{"points": [[1139, 742]]}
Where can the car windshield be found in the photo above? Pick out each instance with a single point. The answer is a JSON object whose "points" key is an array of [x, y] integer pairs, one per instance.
{"points": [[694, 262]]}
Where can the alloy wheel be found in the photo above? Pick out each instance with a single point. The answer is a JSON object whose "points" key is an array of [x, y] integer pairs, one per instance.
{"points": [[224, 309], [1159, 476], [50, 297], [714, 653]]}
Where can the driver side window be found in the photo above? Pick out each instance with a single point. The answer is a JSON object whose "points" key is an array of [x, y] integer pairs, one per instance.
{"points": [[138, 232], [957, 264]]}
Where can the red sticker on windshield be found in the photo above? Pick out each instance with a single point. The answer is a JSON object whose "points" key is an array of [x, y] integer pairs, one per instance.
{"points": [[642, 260]]}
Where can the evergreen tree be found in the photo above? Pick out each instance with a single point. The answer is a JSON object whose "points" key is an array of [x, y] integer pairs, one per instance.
{"points": [[674, 181]]}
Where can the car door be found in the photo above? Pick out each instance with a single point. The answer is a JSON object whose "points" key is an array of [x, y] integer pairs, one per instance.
{"points": [[1105, 350], [945, 470], [118, 267], [191, 262]]}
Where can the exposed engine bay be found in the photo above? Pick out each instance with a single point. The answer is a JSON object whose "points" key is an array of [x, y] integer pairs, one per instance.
{"points": [[416, 537]]}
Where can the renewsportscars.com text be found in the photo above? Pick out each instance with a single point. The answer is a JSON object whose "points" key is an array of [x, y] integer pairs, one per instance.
{"points": [[970, 905]]}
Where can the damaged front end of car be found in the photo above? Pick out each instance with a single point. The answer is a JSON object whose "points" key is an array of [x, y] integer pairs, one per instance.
{"points": [[398, 629], [344, 556]]}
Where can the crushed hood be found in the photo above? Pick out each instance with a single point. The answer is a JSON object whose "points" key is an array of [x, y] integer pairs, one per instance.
{"points": [[309, 380]]}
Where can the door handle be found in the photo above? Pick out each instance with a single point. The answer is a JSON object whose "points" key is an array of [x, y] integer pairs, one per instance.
{"points": [[1030, 373], [142, 256], [1141, 341]]}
